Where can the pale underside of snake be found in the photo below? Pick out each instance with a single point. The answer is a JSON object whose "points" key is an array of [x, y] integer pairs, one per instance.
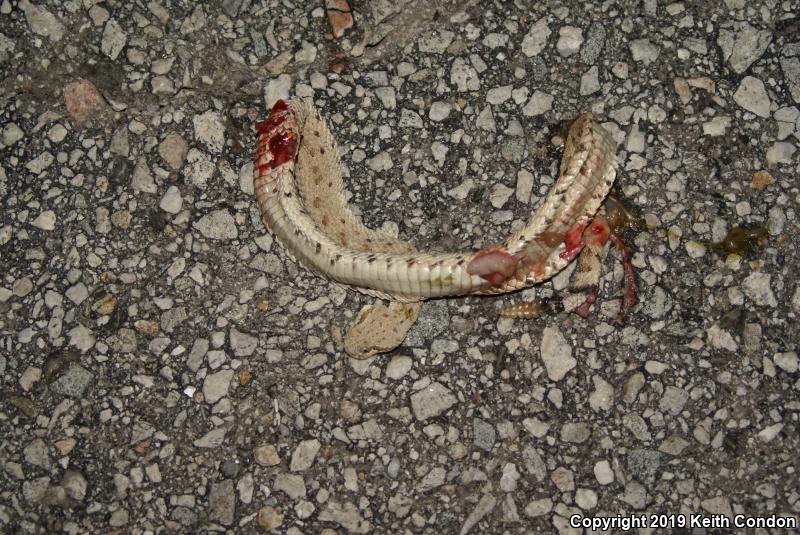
{"points": [[299, 190]]}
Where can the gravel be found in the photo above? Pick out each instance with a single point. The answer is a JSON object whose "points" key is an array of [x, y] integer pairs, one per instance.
{"points": [[166, 366]]}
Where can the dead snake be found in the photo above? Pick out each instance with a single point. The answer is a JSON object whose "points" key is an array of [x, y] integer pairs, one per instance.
{"points": [[299, 190]]}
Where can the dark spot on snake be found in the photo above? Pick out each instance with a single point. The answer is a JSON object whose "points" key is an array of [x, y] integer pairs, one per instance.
{"points": [[321, 150], [288, 193], [411, 261], [371, 258]]}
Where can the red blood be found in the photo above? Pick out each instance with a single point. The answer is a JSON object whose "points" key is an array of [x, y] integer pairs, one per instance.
{"points": [[283, 147], [280, 111], [495, 278], [270, 124], [629, 297], [573, 243], [263, 168], [495, 266], [597, 233], [279, 105], [591, 297]]}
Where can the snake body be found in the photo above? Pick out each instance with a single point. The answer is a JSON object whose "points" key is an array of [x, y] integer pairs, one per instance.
{"points": [[299, 190]]}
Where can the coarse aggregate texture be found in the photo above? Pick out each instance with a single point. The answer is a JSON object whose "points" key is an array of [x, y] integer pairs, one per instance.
{"points": [[164, 367]]}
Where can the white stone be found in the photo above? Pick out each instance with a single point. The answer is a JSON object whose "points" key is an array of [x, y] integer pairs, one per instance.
{"points": [[172, 201], [786, 361], [524, 185], [464, 76], [439, 111], [603, 473], [770, 432], [539, 103], [210, 130], [536, 38], [431, 401], [643, 50], [498, 95], [716, 126], [485, 120], [495, 40], [142, 179], [569, 42], [539, 507], [277, 89], [435, 42], [742, 48], [410, 119], [217, 225], [304, 455], [757, 287], [780, 152], [11, 134], [113, 39], [387, 97], [752, 96], [602, 397], [556, 353], [45, 221], [41, 21], [590, 82], [216, 385], [57, 133], [40, 163], [398, 367], [586, 499], [499, 195], [461, 191], [82, 338]]}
